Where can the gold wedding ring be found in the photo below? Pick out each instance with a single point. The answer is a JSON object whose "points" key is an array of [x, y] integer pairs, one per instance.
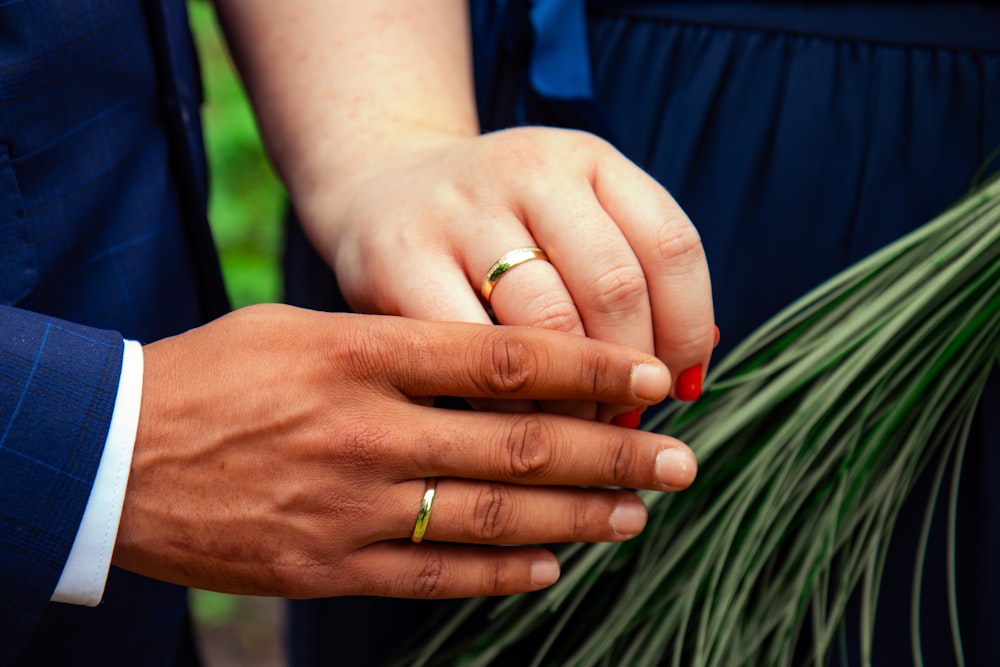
{"points": [[424, 515], [505, 264]]}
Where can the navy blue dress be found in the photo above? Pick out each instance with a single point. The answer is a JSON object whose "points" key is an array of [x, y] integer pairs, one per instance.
{"points": [[799, 137]]}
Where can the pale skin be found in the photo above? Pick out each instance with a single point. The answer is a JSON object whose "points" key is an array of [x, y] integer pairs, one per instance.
{"points": [[285, 452], [411, 206]]}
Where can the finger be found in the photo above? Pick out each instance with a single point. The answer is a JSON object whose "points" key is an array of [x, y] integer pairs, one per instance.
{"points": [[549, 295], [540, 449], [601, 271], [475, 512], [441, 571], [531, 293], [669, 249], [599, 268], [546, 303], [439, 291], [451, 359], [436, 290]]}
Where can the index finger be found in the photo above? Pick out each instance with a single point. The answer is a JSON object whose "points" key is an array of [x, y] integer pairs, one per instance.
{"points": [[483, 361]]}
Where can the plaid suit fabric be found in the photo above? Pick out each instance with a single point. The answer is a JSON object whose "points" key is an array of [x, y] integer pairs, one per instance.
{"points": [[102, 224], [57, 382], [89, 166]]}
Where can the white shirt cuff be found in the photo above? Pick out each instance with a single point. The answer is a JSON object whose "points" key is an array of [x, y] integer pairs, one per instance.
{"points": [[86, 571]]}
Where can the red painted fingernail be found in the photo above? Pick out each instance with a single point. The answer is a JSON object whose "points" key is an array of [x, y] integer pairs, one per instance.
{"points": [[716, 343], [628, 419], [688, 384]]}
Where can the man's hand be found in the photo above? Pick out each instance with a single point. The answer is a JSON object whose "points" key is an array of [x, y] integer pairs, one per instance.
{"points": [[286, 452]]}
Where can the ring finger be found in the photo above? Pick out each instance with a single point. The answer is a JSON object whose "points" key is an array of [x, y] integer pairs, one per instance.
{"points": [[473, 512], [529, 293]]}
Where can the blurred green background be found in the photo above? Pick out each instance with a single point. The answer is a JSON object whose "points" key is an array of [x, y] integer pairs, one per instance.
{"points": [[246, 206], [247, 201]]}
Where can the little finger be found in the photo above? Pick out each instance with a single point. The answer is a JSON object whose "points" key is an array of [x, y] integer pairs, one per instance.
{"points": [[432, 570]]}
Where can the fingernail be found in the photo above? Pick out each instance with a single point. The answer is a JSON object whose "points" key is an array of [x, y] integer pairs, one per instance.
{"points": [[650, 382], [716, 343], [544, 573], [629, 419], [676, 468], [629, 518], [688, 384]]}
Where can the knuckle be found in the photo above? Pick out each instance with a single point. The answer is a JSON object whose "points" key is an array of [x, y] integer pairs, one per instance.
{"points": [[623, 463], [428, 581], [678, 244], [528, 448], [686, 339], [506, 364], [365, 357], [620, 290], [496, 580], [598, 373], [551, 312], [493, 512], [581, 140], [583, 521], [518, 147], [531, 151]]}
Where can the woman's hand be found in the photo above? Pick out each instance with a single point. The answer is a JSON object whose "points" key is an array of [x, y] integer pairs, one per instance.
{"points": [[368, 112], [415, 231], [286, 452]]}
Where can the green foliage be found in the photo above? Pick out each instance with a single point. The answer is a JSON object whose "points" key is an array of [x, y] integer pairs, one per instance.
{"points": [[247, 201], [213, 609], [810, 436]]}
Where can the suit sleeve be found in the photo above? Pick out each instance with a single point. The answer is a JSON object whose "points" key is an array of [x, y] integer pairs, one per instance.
{"points": [[58, 383]]}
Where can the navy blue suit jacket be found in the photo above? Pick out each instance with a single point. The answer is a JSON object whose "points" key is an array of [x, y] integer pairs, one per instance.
{"points": [[102, 235]]}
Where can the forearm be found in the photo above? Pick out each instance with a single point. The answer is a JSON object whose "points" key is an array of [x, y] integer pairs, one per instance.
{"points": [[336, 84]]}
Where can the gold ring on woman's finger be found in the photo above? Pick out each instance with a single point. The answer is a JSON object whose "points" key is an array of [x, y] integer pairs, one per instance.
{"points": [[507, 262]]}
